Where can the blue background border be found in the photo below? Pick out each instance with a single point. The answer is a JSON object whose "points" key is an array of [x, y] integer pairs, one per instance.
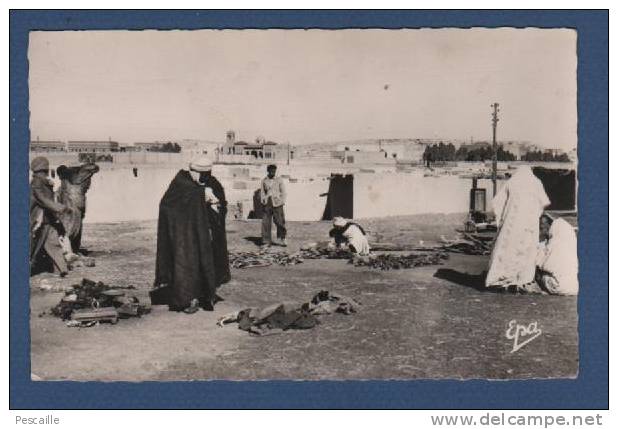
{"points": [[589, 390]]}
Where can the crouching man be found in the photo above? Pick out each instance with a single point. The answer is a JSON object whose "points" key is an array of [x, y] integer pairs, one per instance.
{"points": [[556, 261], [348, 235]]}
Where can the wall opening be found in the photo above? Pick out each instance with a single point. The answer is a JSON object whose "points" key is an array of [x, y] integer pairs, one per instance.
{"points": [[560, 186], [340, 198]]}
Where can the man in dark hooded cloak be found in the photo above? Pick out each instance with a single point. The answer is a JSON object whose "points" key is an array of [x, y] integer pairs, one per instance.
{"points": [[217, 212], [192, 260]]}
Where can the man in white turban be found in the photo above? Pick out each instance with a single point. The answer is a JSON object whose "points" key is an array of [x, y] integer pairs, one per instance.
{"points": [[192, 259], [349, 234]]}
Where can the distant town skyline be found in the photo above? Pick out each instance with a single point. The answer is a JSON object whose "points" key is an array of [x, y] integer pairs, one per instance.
{"points": [[304, 86]]}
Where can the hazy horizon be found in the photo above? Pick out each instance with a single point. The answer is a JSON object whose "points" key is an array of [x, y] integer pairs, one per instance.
{"points": [[304, 86]]}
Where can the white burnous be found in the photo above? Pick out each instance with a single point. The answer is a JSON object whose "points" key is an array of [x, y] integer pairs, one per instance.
{"points": [[518, 207], [557, 260]]}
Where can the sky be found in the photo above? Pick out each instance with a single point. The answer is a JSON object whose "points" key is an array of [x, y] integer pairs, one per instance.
{"points": [[304, 86]]}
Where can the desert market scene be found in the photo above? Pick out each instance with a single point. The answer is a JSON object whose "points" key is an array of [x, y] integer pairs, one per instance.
{"points": [[251, 254]]}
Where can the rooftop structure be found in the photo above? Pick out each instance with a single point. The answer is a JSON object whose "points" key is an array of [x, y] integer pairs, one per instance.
{"points": [[147, 146], [261, 149], [92, 146], [47, 146]]}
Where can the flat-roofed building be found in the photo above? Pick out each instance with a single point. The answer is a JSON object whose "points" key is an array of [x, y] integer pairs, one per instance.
{"points": [[92, 146], [148, 146], [196, 147], [261, 150], [47, 146], [267, 150]]}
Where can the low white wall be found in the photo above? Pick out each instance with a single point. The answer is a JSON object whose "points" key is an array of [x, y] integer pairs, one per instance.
{"points": [[413, 193], [116, 195]]}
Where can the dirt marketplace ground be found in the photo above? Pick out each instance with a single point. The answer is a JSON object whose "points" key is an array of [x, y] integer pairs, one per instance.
{"points": [[428, 322]]}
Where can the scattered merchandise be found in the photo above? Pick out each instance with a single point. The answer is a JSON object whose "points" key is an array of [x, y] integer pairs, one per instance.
{"points": [[325, 302], [105, 314], [469, 244], [281, 317], [397, 262], [429, 256], [91, 302], [263, 259], [326, 253]]}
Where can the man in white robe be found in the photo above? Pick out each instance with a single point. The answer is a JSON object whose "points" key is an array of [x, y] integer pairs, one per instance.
{"points": [[349, 234], [518, 207], [557, 260]]}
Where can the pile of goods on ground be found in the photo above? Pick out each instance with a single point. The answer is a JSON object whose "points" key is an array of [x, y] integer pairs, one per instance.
{"points": [[376, 261], [398, 262], [89, 303], [284, 316], [323, 252], [263, 259], [267, 257], [469, 244]]}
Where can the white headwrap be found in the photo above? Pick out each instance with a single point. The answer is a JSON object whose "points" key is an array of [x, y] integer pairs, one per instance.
{"points": [[339, 221], [522, 182], [201, 164]]}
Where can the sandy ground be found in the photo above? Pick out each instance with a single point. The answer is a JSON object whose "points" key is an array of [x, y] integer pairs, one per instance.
{"points": [[429, 322]]}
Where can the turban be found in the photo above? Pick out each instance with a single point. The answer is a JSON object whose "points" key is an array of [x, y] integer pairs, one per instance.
{"points": [[339, 221], [203, 163], [40, 163]]}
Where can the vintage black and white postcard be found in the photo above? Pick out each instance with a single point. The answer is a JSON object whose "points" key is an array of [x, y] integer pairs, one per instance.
{"points": [[293, 204], [331, 200]]}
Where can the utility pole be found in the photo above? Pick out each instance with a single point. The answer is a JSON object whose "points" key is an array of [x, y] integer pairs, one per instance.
{"points": [[288, 153], [494, 163]]}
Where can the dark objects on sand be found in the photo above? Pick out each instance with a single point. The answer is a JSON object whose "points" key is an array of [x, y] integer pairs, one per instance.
{"points": [[283, 316], [397, 262], [266, 258], [466, 243], [469, 244], [92, 301], [263, 259]]}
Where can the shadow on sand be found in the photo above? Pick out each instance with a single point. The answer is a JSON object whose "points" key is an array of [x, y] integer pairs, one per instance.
{"points": [[474, 281], [255, 240]]}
